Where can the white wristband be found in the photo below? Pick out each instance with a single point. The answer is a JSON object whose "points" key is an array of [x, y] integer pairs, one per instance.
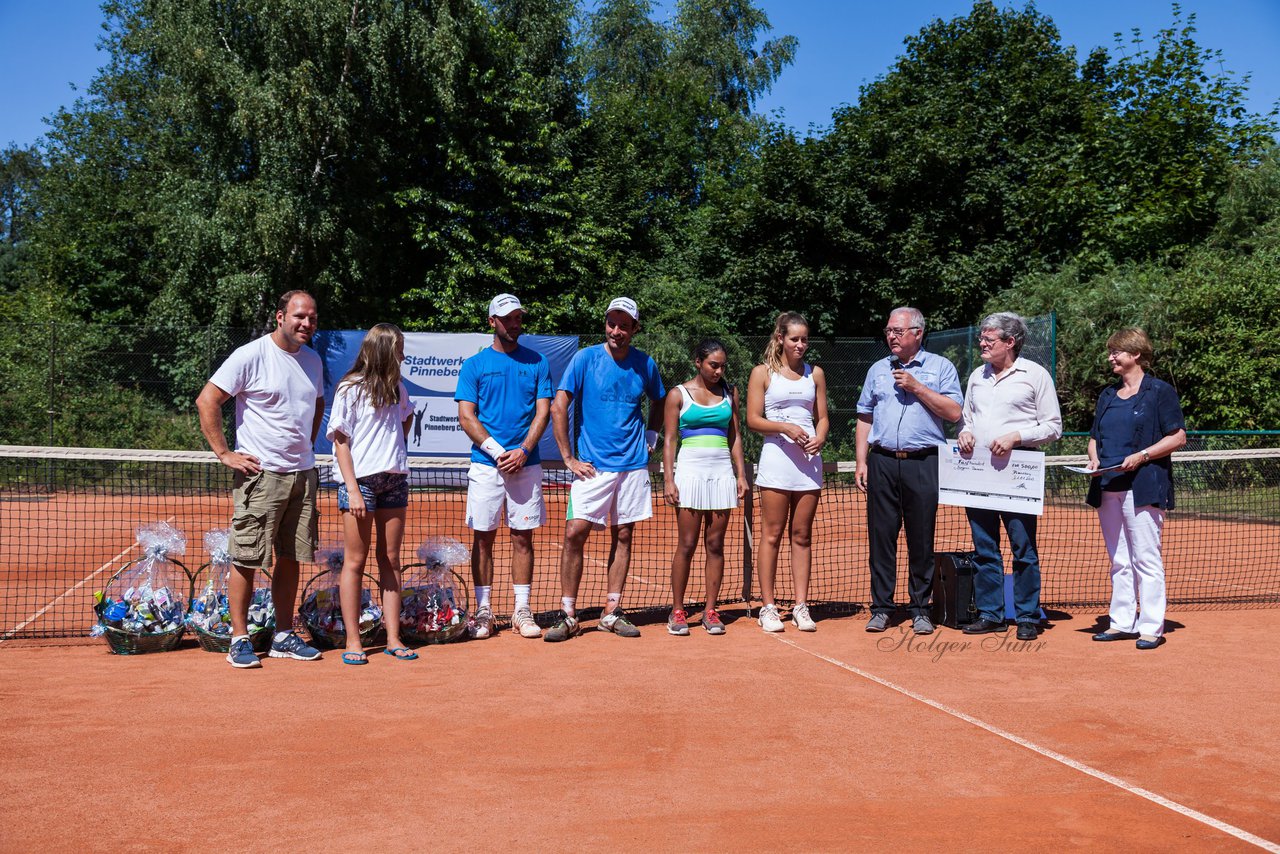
{"points": [[491, 447]]}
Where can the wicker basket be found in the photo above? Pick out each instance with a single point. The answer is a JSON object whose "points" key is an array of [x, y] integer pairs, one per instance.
{"points": [[127, 643], [209, 642], [323, 638], [447, 634]]}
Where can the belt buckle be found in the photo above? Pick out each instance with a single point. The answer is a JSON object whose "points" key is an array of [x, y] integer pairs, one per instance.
{"points": [[902, 455]]}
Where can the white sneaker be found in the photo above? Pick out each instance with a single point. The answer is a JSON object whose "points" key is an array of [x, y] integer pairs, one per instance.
{"points": [[770, 620], [481, 623], [800, 616], [522, 623]]}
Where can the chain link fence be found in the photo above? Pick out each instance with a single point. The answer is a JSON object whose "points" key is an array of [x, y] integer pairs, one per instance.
{"points": [[107, 386]]}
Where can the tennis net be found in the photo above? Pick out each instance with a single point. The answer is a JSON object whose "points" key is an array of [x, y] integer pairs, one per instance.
{"points": [[69, 516]]}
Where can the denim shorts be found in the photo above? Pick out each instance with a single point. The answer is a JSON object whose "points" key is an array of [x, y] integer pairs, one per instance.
{"points": [[385, 491]]}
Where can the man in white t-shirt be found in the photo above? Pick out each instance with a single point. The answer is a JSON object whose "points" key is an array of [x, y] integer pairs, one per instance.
{"points": [[278, 387]]}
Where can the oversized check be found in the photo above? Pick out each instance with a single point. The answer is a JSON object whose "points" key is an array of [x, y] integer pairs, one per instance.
{"points": [[983, 480]]}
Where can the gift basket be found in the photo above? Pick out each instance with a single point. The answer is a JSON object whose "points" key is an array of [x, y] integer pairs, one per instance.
{"points": [[322, 608], [429, 610], [141, 609], [210, 613]]}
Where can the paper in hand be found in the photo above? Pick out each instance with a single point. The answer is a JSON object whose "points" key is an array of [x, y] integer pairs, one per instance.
{"points": [[1083, 470]]}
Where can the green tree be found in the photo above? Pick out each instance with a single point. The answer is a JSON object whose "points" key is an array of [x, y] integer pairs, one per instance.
{"points": [[1206, 311], [966, 151], [501, 210], [20, 173], [790, 238], [673, 139], [1161, 134]]}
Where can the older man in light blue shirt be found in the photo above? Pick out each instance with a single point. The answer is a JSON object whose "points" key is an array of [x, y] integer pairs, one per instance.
{"points": [[901, 411]]}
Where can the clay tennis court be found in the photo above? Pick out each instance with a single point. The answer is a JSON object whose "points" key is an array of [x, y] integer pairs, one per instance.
{"points": [[839, 740], [747, 742]]}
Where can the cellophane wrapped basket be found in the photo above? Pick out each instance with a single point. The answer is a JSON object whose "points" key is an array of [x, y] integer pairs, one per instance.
{"points": [[210, 613], [141, 609], [432, 591], [322, 608]]}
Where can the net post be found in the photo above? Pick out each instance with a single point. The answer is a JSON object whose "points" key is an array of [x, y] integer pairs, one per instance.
{"points": [[748, 541]]}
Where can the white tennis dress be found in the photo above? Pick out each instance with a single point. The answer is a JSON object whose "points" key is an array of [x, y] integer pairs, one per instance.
{"points": [[783, 463]]}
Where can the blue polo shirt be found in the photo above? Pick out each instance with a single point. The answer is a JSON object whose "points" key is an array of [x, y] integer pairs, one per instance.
{"points": [[611, 392], [1155, 414], [899, 421], [505, 387]]}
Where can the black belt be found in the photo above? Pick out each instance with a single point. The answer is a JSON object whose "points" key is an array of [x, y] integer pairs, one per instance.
{"points": [[921, 454]]}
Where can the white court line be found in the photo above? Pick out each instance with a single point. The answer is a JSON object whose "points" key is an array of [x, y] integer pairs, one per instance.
{"points": [[38, 614], [1051, 754]]}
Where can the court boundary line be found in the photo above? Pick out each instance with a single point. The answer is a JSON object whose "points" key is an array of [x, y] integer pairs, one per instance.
{"points": [[1074, 764], [38, 614]]}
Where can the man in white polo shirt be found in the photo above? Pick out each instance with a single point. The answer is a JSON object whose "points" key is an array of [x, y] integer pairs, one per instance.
{"points": [[504, 403], [278, 387], [611, 464]]}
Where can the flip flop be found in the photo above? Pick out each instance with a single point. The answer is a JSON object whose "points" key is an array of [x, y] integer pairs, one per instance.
{"points": [[394, 652], [354, 658]]}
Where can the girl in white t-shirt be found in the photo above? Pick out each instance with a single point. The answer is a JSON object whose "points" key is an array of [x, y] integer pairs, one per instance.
{"points": [[368, 425]]}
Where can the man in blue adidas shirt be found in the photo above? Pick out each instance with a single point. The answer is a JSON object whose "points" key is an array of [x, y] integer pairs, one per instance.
{"points": [[611, 474], [504, 402]]}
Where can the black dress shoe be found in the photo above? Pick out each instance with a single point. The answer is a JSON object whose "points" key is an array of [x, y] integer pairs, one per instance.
{"points": [[1027, 631], [1114, 636], [1143, 643], [982, 627]]}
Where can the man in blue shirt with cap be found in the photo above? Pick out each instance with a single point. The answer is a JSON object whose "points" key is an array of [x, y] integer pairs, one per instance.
{"points": [[901, 411], [504, 404]]}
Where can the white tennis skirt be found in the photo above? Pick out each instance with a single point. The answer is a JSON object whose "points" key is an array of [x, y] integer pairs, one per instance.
{"points": [[784, 465], [705, 479]]}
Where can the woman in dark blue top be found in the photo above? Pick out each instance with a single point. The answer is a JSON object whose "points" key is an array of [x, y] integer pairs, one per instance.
{"points": [[1137, 425]]}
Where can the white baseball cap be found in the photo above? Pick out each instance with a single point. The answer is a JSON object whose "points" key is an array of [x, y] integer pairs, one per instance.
{"points": [[504, 304], [626, 305]]}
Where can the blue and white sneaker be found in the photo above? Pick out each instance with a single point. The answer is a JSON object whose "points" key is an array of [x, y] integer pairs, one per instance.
{"points": [[241, 654], [294, 647]]}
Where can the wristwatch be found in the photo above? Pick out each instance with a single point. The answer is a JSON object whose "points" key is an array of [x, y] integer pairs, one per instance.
{"points": [[1146, 457]]}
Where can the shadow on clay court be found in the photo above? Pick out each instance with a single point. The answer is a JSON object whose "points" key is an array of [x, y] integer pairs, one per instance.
{"points": [[1102, 622]]}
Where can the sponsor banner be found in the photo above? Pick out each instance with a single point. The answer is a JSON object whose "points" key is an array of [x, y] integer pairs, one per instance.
{"points": [[432, 361]]}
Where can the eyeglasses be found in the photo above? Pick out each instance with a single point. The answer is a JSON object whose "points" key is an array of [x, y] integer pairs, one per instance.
{"points": [[897, 332], [989, 339]]}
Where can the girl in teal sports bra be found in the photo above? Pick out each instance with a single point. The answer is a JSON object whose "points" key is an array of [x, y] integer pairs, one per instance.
{"points": [[706, 481]]}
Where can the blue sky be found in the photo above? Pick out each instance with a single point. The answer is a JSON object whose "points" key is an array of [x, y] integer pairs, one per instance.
{"points": [[48, 46]]}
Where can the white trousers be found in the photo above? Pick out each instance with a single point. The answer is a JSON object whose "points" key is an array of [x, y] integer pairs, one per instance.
{"points": [[1132, 535]]}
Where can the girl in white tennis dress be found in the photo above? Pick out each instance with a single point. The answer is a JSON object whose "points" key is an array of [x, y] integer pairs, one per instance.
{"points": [[706, 481], [787, 404]]}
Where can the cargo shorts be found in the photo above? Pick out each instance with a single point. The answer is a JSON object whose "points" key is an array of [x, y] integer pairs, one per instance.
{"points": [[274, 512]]}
